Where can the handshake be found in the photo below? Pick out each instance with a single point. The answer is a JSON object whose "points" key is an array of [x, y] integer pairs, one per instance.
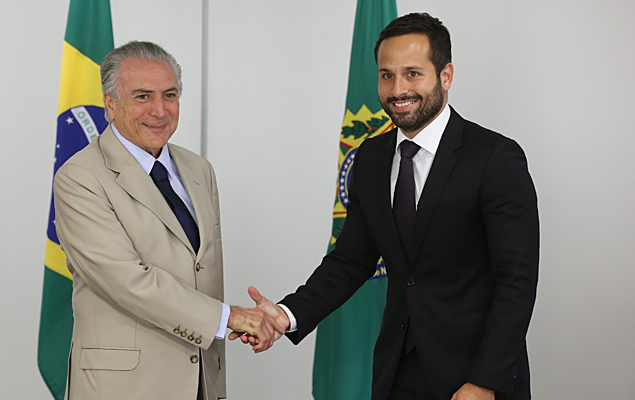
{"points": [[260, 326]]}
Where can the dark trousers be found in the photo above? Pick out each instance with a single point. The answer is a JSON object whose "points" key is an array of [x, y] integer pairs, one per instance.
{"points": [[410, 383]]}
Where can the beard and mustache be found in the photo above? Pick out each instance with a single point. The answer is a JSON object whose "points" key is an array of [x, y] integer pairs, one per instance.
{"points": [[415, 120]]}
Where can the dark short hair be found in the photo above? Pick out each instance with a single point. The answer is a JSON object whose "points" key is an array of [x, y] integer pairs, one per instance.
{"points": [[422, 23]]}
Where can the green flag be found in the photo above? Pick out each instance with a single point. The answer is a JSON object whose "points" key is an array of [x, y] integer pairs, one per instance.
{"points": [[342, 367], [80, 119]]}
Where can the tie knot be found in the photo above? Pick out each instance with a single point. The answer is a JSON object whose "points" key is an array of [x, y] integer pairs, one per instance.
{"points": [[158, 172], [408, 149]]}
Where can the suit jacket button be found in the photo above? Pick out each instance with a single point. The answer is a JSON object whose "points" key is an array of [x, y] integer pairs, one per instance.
{"points": [[403, 327], [194, 359], [410, 281], [198, 267]]}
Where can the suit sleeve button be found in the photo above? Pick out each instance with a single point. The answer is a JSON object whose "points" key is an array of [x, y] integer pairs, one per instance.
{"points": [[177, 331], [410, 281], [190, 338], [184, 333], [194, 359], [198, 340]]}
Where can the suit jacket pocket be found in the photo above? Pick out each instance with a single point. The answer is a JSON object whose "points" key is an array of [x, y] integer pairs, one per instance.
{"points": [[109, 358]]}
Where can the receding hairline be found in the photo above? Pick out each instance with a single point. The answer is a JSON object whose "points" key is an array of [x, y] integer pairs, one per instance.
{"points": [[145, 60], [427, 44], [126, 69]]}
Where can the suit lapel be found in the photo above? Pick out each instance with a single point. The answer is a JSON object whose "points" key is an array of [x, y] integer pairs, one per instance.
{"points": [[134, 180], [442, 165]]}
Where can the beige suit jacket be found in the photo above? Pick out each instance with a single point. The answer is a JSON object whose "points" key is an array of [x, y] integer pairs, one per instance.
{"points": [[146, 307]]}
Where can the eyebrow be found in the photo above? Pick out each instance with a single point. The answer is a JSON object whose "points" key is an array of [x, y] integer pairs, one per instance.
{"points": [[406, 68], [144, 91]]}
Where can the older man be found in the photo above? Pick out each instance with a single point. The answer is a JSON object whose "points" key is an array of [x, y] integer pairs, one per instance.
{"points": [[139, 221]]}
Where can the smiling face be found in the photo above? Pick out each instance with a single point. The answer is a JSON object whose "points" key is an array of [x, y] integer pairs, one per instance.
{"points": [[410, 90], [147, 111]]}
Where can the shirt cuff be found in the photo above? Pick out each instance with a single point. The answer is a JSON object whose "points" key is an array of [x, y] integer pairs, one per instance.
{"points": [[293, 324], [224, 320]]}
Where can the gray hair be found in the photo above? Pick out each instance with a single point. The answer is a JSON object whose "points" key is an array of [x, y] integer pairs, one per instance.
{"points": [[135, 49]]}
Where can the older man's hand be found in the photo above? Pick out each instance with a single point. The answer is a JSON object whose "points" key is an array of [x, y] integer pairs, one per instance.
{"points": [[274, 312], [258, 327]]}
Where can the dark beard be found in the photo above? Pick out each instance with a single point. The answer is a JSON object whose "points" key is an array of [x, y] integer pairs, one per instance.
{"points": [[428, 108]]}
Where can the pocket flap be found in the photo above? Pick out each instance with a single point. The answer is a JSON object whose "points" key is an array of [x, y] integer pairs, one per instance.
{"points": [[109, 358]]}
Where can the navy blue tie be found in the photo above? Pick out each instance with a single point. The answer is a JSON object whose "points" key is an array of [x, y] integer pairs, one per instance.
{"points": [[404, 208], [160, 177]]}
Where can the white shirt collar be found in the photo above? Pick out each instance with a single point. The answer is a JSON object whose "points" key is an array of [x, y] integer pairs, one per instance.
{"points": [[145, 159], [430, 136]]}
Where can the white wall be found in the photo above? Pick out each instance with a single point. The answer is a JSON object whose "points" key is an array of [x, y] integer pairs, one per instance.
{"points": [[553, 75]]}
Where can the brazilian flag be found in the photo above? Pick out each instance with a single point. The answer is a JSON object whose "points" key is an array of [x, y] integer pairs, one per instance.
{"points": [[342, 367], [80, 119]]}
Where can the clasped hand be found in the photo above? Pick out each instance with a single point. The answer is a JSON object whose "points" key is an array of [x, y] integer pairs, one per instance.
{"points": [[260, 326]]}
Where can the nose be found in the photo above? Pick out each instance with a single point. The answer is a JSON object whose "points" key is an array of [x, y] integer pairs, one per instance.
{"points": [[399, 87], [157, 108]]}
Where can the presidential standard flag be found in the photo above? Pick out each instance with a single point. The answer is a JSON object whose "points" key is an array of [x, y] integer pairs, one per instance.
{"points": [[80, 119], [342, 367]]}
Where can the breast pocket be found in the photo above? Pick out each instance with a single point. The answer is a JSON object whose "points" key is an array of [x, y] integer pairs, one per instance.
{"points": [[453, 205], [218, 242]]}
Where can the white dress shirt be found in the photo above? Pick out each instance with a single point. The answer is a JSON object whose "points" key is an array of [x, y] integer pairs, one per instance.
{"points": [[146, 160], [428, 139]]}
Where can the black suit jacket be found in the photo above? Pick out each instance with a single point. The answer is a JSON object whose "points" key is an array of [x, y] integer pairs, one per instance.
{"points": [[469, 288]]}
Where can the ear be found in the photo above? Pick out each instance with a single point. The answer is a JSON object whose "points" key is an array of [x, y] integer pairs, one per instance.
{"points": [[110, 106], [446, 75]]}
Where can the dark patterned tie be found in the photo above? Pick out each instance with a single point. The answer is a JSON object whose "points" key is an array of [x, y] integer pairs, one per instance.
{"points": [[404, 208], [160, 177]]}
